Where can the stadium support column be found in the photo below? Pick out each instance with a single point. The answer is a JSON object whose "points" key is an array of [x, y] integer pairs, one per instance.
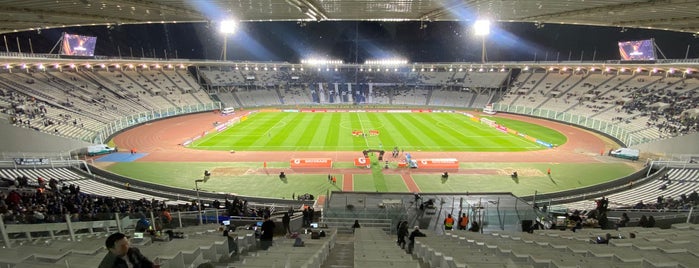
{"points": [[370, 98], [350, 96], [337, 98], [321, 94]]}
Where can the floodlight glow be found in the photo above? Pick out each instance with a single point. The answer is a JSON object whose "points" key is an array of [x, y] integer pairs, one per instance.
{"points": [[228, 26], [387, 62], [482, 27], [320, 61]]}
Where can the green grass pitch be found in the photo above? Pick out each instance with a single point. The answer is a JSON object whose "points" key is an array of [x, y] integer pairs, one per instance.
{"points": [[282, 131]]}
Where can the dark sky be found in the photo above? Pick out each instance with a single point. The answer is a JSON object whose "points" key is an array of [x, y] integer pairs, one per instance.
{"points": [[359, 41]]}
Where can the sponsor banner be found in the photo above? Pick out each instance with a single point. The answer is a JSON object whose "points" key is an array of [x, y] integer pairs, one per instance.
{"points": [[399, 111], [475, 119], [501, 128], [544, 143], [362, 162], [511, 131], [31, 161], [311, 163], [187, 142], [441, 163], [421, 111], [290, 111], [313, 110], [530, 138], [222, 127]]}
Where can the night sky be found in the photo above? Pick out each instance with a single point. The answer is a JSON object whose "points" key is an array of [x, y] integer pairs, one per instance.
{"points": [[358, 41]]}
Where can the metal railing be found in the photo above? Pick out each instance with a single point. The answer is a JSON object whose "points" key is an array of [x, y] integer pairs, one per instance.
{"points": [[612, 129], [142, 117]]}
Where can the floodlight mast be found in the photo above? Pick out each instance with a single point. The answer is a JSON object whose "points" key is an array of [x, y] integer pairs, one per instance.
{"points": [[227, 27], [482, 29]]}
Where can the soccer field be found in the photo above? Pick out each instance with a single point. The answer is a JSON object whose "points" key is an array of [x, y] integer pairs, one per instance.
{"points": [[287, 131]]}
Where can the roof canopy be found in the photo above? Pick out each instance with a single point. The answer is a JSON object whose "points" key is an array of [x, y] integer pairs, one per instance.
{"points": [[674, 15]]}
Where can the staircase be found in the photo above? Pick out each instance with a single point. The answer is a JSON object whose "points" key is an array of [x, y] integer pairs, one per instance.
{"points": [[342, 255]]}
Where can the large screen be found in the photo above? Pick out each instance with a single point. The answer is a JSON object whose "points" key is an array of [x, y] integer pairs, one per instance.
{"points": [[637, 50], [78, 45]]}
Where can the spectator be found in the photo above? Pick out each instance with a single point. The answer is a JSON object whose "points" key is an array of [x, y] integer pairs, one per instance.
{"points": [[286, 220], [623, 220], [643, 222], [650, 223], [415, 233], [121, 255], [267, 234], [448, 222], [402, 233], [356, 224], [463, 222]]}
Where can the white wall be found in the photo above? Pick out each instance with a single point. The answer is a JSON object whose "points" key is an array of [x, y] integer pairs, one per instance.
{"points": [[687, 144], [16, 139]]}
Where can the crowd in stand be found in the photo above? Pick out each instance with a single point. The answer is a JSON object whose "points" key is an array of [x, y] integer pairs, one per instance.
{"points": [[48, 201], [669, 119]]}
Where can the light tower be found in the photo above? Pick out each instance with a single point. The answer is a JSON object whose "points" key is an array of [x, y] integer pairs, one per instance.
{"points": [[227, 27], [482, 29]]}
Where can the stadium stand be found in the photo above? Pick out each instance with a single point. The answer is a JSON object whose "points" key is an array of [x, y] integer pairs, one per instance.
{"points": [[651, 247]]}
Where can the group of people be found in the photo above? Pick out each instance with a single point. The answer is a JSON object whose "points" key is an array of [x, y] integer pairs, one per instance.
{"points": [[403, 233], [462, 223]]}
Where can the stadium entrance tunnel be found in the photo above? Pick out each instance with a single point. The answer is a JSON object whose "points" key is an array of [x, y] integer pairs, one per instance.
{"points": [[381, 152]]}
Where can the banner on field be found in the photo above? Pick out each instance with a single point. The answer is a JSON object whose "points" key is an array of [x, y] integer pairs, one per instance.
{"points": [[311, 163], [362, 162], [442, 163]]}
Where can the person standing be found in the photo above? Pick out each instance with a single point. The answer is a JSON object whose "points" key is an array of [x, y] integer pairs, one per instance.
{"points": [[355, 225], [463, 222], [402, 233], [415, 233], [448, 222], [122, 255], [267, 234], [286, 220]]}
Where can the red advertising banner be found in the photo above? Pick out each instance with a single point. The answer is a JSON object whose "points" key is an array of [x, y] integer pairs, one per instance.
{"points": [[442, 163], [362, 162], [311, 163]]}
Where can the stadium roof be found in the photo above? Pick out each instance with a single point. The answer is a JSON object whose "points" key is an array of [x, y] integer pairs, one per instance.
{"points": [[674, 15]]}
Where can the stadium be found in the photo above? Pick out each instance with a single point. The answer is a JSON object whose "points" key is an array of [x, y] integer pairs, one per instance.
{"points": [[162, 147]]}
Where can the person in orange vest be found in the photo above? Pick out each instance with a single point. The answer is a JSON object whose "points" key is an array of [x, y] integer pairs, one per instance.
{"points": [[448, 222], [463, 222]]}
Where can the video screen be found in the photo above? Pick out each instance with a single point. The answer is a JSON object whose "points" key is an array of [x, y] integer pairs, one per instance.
{"points": [[637, 50], [78, 45]]}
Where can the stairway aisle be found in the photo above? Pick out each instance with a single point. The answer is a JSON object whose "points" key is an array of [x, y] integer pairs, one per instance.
{"points": [[342, 255]]}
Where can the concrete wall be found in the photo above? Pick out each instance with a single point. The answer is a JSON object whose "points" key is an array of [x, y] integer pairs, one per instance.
{"points": [[16, 139], [687, 144]]}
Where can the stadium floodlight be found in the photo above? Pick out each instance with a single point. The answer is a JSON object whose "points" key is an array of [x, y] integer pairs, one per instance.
{"points": [[226, 27], [396, 61], [482, 29], [321, 62]]}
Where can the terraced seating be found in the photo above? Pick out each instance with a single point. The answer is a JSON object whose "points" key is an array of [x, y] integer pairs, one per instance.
{"points": [[284, 254], [373, 247], [87, 185], [683, 181], [652, 247]]}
